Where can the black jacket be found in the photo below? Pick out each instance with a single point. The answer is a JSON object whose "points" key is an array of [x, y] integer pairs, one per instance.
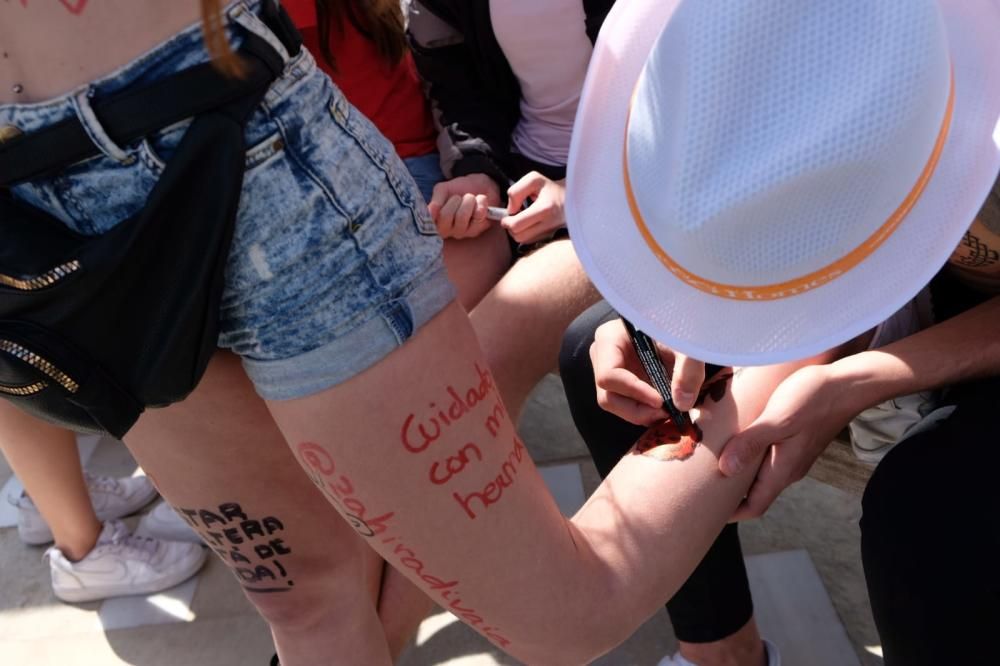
{"points": [[475, 94]]}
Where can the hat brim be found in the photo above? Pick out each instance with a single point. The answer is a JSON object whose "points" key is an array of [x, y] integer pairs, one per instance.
{"points": [[734, 332]]}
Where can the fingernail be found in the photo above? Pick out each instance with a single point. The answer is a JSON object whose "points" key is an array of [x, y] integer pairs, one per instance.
{"points": [[683, 400], [732, 466]]}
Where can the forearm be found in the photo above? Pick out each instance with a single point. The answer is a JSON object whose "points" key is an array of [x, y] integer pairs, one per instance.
{"points": [[963, 348], [651, 521]]}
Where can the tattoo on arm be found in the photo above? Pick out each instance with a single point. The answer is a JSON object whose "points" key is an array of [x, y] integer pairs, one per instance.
{"points": [[664, 440]]}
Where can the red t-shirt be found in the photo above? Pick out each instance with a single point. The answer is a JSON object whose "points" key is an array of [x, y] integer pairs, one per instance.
{"points": [[389, 95]]}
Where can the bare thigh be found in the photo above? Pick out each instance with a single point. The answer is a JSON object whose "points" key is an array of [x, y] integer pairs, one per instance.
{"points": [[420, 457], [476, 264], [219, 459], [521, 321]]}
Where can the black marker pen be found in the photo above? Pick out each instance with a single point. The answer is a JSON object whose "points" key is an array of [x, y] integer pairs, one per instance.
{"points": [[650, 359]]}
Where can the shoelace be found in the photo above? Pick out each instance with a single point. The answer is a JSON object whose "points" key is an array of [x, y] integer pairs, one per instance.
{"points": [[122, 539], [105, 483], [15, 499]]}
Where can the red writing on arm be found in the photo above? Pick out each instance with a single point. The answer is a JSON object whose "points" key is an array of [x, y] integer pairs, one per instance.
{"points": [[339, 490], [493, 491], [441, 474], [416, 435], [449, 593], [496, 417], [74, 6], [320, 467]]}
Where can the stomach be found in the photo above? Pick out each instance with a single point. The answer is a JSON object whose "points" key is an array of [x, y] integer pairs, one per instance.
{"points": [[50, 47]]}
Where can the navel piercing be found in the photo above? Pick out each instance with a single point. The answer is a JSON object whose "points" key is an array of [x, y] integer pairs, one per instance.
{"points": [[18, 89]]}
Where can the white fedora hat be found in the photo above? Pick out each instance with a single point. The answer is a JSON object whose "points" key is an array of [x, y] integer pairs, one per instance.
{"points": [[753, 181]]}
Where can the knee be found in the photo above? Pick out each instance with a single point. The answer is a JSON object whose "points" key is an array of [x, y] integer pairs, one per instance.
{"points": [[574, 352], [307, 607], [905, 492], [883, 499], [319, 592]]}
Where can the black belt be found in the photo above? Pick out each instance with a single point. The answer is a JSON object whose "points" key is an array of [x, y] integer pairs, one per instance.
{"points": [[132, 114]]}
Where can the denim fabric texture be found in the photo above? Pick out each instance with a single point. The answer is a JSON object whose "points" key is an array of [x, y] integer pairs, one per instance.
{"points": [[426, 172], [335, 261]]}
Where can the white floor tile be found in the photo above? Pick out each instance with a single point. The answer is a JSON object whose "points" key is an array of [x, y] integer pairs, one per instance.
{"points": [[169, 606], [794, 611]]}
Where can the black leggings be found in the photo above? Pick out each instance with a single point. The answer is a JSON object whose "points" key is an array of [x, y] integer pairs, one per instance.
{"points": [[715, 601], [930, 532], [930, 537]]}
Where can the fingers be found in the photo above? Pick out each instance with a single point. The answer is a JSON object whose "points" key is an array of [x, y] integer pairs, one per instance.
{"points": [[619, 390], [531, 224], [628, 409], [458, 206], [462, 216], [766, 487], [466, 209], [543, 216], [529, 185], [689, 375], [447, 223], [439, 196], [744, 448]]}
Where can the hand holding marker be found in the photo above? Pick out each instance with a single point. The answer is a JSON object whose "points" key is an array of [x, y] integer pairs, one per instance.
{"points": [[496, 213]]}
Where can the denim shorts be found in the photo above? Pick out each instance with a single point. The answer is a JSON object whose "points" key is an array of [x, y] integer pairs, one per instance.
{"points": [[335, 261], [426, 172]]}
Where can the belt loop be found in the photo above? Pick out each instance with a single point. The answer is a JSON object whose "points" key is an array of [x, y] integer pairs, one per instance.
{"points": [[95, 131], [243, 16]]}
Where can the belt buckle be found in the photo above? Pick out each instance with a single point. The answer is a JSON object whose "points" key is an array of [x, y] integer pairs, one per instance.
{"points": [[9, 133]]}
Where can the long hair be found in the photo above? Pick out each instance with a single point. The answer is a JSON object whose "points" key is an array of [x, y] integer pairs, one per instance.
{"points": [[380, 21], [215, 38]]}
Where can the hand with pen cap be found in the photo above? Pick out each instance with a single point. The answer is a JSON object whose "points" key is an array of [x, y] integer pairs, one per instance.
{"points": [[623, 387], [543, 216], [458, 206]]}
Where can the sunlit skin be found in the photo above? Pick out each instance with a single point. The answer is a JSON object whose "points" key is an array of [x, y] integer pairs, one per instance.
{"points": [[665, 441]]}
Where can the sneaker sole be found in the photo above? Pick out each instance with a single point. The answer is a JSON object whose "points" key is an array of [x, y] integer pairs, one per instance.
{"points": [[77, 595]]}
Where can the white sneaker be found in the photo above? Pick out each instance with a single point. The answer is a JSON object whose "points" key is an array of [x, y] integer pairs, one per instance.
{"points": [[773, 657], [164, 523], [111, 498], [122, 564]]}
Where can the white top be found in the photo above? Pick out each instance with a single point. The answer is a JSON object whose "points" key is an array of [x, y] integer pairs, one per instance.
{"points": [[546, 44]]}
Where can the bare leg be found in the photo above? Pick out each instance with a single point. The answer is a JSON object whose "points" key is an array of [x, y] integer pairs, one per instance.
{"points": [[218, 458], [521, 321], [419, 457], [44, 457], [743, 648], [476, 264], [401, 608]]}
